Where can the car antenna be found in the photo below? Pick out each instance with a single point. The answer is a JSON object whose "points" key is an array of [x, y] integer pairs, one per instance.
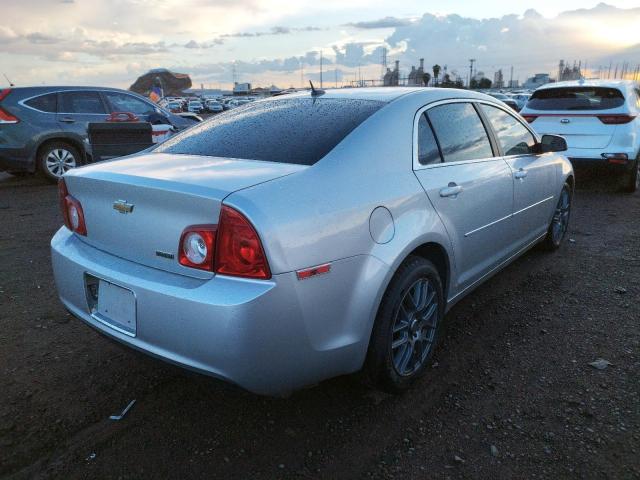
{"points": [[10, 82], [315, 91]]}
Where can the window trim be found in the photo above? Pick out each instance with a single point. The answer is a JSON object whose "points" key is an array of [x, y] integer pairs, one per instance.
{"points": [[490, 135], [99, 90], [495, 135], [23, 102]]}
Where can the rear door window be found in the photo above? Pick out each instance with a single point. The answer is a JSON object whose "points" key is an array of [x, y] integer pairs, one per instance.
{"points": [[45, 103], [121, 102], [514, 137], [460, 132], [428, 151], [81, 102], [576, 98], [287, 130]]}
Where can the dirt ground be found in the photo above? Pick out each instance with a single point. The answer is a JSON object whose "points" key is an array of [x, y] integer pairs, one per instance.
{"points": [[511, 394]]}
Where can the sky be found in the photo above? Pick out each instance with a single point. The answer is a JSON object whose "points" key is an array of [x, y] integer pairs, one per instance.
{"points": [[112, 42]]}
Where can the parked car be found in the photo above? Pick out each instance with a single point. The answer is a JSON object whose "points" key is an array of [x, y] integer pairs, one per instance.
{"points": [[507, 100], [44, 129], [174, 106], [521, 99], [600, 119], [214, 107], [195, 106], [307, 236]]}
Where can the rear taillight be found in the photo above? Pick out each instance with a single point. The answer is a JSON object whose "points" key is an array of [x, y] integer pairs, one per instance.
{"points": [[616, 119], [197, 245], [230, 248], [239, 251], [6, 117], [71, 210], [530, 118]]}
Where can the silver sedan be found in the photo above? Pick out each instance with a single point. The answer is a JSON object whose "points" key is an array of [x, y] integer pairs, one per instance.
{"points": [[310, 235]]}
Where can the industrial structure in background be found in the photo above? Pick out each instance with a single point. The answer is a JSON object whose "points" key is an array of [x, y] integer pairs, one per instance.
{"points": [[498, 79], [565, 72]]}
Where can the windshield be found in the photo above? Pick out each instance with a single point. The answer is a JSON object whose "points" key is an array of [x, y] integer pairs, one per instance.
{"points": [[576, 98], [293, 130]]}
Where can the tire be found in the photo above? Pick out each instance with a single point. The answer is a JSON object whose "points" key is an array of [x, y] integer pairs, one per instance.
{"points": [[560, 222], [632, 179], [56, 158], [417, 278]]}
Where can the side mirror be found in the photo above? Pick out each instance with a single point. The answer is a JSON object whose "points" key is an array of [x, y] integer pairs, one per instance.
{"points": [[553, 143]]}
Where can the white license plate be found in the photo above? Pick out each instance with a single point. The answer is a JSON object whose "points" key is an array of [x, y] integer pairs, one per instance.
{"points": [[116, 308]]}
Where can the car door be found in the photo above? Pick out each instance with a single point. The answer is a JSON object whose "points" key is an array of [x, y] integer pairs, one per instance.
{"points": [[77, 108], [469, 185], [534, 174]]}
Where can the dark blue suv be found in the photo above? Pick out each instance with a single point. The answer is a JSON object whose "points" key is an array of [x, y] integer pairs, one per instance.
{"points": [[44, 129]]}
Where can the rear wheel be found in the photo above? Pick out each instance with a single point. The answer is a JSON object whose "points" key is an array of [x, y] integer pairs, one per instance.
{"points": [[560, 221], [632, 179], [57, 158], [407, 326]]}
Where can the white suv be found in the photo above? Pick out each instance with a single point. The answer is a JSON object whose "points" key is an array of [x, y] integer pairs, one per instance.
{"points": [[600, 119]]}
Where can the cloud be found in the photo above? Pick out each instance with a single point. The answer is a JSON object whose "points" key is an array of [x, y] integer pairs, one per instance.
{"points": [[41, 38], [386, 22], [277, 30], [7, 34], [192, 44], [123, 38]]}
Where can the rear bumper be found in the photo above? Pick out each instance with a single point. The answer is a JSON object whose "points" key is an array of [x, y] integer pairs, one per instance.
{"points": [[602, 164], [268, 337]]}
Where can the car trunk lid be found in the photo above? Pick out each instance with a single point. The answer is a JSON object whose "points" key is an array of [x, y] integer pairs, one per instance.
{"points": [[579, 130], [136, 208]]}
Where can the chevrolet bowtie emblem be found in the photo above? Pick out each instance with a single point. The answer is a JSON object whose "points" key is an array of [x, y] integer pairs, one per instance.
{"points": [[122, 206]]}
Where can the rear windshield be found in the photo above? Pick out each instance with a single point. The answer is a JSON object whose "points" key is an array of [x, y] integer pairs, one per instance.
{"points": [[294, 130], [576, 98]]}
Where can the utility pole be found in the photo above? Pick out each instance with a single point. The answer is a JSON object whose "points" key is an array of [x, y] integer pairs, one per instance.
{"points": [[384, 61], [471, 61], [511, 78], [609, 73]]}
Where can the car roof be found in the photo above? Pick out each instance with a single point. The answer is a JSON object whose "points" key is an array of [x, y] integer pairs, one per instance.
{"points": [[623, 85], [389, 94], [57, 88]]}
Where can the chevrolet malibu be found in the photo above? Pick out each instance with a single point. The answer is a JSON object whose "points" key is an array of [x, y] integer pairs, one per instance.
{"points": [[311, 235]]}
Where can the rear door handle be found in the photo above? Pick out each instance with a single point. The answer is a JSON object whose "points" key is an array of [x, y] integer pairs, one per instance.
{"points": [[521, 174], [451, 191], [67, 120]]}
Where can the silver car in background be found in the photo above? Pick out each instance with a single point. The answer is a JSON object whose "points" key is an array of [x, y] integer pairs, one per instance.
{"points": [[311, 235]]}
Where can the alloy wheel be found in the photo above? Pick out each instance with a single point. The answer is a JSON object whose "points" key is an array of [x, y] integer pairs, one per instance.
{"points": [[560, 221], [414, 328], [59, 161]]}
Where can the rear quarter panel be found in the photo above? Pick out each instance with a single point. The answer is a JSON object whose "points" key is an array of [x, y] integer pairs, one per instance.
{"points": [[322, 214]]}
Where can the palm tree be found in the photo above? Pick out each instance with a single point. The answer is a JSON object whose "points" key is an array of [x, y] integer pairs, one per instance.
{"points": [[426, 78], [436, 72]]}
